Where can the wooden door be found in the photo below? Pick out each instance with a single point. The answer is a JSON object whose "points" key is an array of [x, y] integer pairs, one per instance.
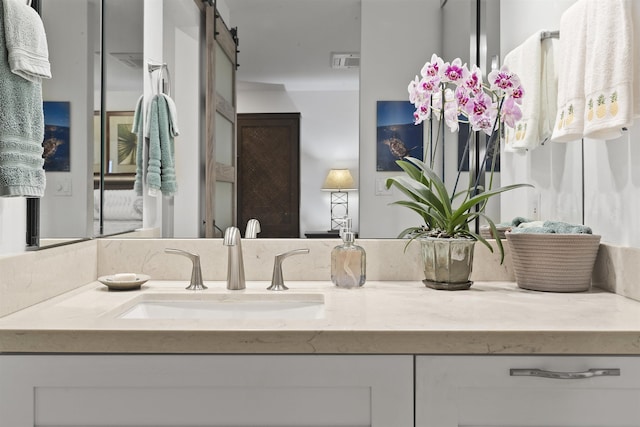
{"points": [[269, 173]]}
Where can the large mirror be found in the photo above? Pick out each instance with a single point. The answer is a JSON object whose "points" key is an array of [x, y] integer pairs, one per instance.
{"points": [[71, 101], [88, 108], [93, 151], [339, 63], [392, 50]]}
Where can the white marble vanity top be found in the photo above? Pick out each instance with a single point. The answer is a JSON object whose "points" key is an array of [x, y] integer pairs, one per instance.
{"points": [[385, 317]]}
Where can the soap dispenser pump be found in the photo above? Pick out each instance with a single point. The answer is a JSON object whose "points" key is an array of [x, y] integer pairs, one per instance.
{"points": [[348, 261]]}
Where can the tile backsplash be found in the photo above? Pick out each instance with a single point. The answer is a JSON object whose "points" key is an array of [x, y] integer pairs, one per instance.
{"points": [[31, 277]]}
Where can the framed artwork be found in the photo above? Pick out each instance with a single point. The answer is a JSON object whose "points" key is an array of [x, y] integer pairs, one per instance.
{"points": [[96, 142], [121, 142], [396, 136], [57, 131]]}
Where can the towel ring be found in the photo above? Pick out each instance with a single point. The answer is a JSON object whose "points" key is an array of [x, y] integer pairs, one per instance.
{"points": [[162, 68]]}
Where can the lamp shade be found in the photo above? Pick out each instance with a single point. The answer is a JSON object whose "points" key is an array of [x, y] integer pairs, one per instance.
{"points": [[338, 180]]}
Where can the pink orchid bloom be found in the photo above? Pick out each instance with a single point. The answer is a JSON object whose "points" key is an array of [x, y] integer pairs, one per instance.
{"points": [[413, 90], [462, 96], [511, 112], [436, 100], [478, 105], [422, 113], [453, 72], [467, 95], [472, 79], [433, 68], [430, 85], [482, 123], [503, 80], [517, 94], [451, 110]]}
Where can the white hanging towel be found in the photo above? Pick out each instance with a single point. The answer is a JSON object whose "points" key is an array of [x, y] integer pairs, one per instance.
{"points": [[572, 47], [533, 62], [609, 71]]}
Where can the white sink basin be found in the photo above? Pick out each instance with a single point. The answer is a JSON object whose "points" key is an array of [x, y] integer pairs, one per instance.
{"points": [[294, 306]]}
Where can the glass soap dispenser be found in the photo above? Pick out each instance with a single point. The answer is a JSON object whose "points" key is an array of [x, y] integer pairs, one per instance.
{"points": [[348, 262]]}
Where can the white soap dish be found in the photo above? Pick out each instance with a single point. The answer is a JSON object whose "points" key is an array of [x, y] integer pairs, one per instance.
{"points": [[122, 283]]}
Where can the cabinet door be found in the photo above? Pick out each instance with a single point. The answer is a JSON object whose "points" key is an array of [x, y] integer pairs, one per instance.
{"points": [[474, 391], [114, 390]]}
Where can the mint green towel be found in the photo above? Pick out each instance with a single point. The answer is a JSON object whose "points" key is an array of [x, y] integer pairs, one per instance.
{"points": [[161, 169], [558, 227], [21, 130], [138, 129]]}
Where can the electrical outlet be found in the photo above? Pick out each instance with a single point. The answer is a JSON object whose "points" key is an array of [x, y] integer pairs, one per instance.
{"points": [[534, 206]]}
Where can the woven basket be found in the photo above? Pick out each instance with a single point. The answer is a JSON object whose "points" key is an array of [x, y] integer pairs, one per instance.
{"points": [[553, 262]]}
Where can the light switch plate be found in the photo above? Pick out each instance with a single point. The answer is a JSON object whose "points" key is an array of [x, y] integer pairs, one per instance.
{"points": [[381, 189], [61, 185]]}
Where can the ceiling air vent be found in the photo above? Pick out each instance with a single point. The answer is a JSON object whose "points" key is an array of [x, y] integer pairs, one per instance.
{"points": [[345, 60], [130, 59]]}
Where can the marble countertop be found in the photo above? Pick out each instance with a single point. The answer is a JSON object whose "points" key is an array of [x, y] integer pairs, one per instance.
{"points": [[380, 318]]}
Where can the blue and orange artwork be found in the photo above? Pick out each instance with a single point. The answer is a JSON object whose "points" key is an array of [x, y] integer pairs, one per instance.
{"points": [[397, 135], [57, 127]]}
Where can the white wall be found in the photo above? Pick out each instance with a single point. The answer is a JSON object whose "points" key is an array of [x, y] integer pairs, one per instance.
{"points": [[71, 57], [611, 178], [13, 225], [395, 44], [181, 50], [554, 169]]}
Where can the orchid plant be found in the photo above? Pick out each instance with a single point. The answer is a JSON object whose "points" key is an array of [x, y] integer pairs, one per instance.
{"points": [[452, 93]]}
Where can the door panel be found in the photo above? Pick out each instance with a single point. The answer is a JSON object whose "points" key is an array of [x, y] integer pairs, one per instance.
{"points": [[269, 173]]}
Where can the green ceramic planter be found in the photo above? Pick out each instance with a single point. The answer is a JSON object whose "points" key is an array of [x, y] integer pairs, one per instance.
{"points": [[447, 262]]}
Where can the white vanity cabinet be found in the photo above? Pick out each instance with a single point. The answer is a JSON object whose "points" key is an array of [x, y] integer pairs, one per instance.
{"points": [[206, 390], [500, 391]]}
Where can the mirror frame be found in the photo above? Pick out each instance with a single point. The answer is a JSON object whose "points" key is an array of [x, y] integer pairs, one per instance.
{"points": [[33, 204]]}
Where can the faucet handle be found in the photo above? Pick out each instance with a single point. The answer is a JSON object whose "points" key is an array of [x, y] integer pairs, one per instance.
{"points": [[196, 283], [277, 280], [252, 230]]}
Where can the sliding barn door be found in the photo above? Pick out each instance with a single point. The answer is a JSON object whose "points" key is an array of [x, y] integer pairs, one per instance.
{"points": [[220, 112]]}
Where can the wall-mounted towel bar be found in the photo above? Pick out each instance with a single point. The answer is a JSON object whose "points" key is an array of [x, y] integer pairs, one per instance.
{"points": [[549, 35]]}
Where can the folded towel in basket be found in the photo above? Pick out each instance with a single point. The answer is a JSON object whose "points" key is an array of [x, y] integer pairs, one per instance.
{"points": [[557, 227]]}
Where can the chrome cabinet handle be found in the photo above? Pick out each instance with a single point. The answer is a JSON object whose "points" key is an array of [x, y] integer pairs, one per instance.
{"points": [[564, 375]]}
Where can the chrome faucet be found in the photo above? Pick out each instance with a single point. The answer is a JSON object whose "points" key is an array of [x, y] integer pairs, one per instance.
{"points": [[277, 280], [196, 283], [235, 268], [253, 228]]}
